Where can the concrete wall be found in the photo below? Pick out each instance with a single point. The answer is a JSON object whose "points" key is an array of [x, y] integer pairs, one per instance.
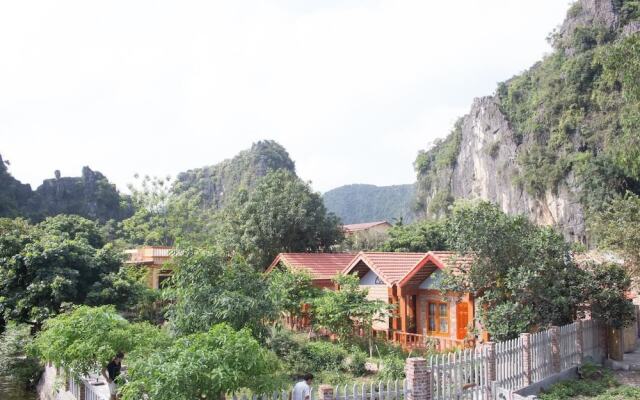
{"points": [[378, 292]]}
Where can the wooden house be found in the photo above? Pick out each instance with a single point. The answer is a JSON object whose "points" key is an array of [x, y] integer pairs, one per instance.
{"points": [[321, 266], [424, 315], [155, 259]]}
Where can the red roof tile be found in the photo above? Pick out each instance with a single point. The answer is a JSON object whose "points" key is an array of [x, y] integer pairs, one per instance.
{"points": [[390, 267], [363, 226], [319, 265]]}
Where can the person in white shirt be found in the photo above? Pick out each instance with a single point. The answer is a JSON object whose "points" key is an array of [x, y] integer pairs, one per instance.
{"points": [[302, 389]]}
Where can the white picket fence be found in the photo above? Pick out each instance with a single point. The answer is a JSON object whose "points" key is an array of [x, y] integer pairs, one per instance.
{"points": [[471, 373], [459, 375], [541, 363], [509, 363]]}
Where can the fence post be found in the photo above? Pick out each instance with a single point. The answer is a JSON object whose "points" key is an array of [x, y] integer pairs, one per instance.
{"points": [[526, 357], [418, 379], [555, 349], [491, 361], [580, 341], [604, 340], [325, 392]]}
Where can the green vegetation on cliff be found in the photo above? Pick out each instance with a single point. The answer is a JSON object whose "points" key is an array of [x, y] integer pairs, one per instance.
{"points": [[573, 122], [366, 203], [217, 183]]}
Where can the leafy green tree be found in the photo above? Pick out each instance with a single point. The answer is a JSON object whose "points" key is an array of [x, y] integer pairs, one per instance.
{"points": [[281, 214], [86, 338], [291, 290], [162, 216], [616, 228], [204, 365], [523, 275], [344, 310], [19, 367], [209, 288], [604, 287], [57, 262], [420, 236]]}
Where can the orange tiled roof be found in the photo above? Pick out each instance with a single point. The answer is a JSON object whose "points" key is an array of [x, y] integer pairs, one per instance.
{"points": [[451, 259], [319, 265], [390, 267], [363, 226]]}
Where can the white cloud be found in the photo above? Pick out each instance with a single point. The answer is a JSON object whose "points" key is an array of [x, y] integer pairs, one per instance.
{"points": [[353, 89]]}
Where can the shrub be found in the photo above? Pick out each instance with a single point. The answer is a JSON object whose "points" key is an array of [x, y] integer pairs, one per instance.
{"points": [[282, 342], [325, 356], [356, 362], [14, 364], [392, 368]]}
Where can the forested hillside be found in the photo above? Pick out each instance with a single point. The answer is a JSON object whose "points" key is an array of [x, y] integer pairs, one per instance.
{"points": [[558, 142], [90, 195], [365, 203], [216, 183]]}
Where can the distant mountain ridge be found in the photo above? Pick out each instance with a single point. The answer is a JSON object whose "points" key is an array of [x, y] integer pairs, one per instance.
{"points": [[90, 195], [364, 203], [216, 183]]}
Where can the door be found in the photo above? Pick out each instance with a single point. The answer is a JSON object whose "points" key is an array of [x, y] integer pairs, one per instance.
{"points": [[462, 320]]}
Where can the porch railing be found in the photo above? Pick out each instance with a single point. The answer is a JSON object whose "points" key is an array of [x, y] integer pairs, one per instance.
{"points": [[418, 341]]}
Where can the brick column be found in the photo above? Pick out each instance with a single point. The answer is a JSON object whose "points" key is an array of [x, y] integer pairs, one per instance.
{"points": [[604, 341], [81, 384], [580, 341], [526, 357], [418, 379], [491, 361], [555, 349], [325, 392]]}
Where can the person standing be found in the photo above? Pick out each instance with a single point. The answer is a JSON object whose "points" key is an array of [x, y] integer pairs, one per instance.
{"points": [[302, 389], [111, 372]]}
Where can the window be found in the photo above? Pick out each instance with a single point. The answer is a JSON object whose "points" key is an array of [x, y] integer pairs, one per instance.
{"points": [[438, 318]]}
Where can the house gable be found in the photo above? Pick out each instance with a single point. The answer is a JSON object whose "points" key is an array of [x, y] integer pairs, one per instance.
{"points": [[432, 281], [370, 279]]}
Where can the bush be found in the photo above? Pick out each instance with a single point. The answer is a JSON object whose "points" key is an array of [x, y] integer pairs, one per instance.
{"points": [[282, 342], [356, 362], [392, 368], [596, 383], [14, 364], [325, 356]]}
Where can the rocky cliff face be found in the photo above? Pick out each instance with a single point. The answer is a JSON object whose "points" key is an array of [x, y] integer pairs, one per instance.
{"points": [[90, 195], [486, 168], [555, 142]]}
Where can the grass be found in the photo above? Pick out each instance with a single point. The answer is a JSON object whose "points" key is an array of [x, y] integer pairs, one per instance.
{"points": [[595, 383]]}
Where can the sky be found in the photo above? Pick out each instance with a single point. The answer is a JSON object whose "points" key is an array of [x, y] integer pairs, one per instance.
{"points": [[352, 89]]}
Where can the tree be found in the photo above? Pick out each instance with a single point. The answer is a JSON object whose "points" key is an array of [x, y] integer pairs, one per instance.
{"points": [[344, 310], [420, 236], [617, 228], [281, 214], [208, 288], [162, 216], [204, 365], [523, 275], [86, 338], [58, 262], [291, 290], [15, 364]]}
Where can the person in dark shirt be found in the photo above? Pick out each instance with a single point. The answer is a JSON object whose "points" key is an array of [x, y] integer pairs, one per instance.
{"points": [[111, 372]]}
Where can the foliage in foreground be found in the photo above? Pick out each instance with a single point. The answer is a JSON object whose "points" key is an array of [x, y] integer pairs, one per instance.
{"points": [[597, 384], [61, 261], [204, 365], [208, 288], [86, 338], [21, 368]]}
